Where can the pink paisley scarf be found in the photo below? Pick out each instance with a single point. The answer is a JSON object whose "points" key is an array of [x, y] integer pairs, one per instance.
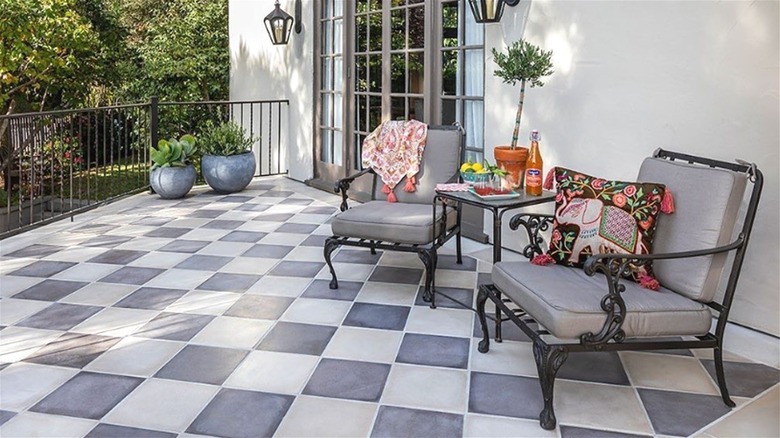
{"points": [[394, 151]]}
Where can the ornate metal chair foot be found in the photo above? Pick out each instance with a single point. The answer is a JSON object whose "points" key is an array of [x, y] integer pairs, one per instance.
{"points": [[331, 243]]}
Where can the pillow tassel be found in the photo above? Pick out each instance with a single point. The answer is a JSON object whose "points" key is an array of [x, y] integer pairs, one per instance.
{"points": [[542, 260], [410, 182], [391, 197], [648, 282], [386, 189], [667, 203], [548, 181]]}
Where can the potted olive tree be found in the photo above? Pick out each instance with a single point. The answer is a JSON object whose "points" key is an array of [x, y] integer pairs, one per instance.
{"points": [[228, 163], [525, 63], [173, 174]]}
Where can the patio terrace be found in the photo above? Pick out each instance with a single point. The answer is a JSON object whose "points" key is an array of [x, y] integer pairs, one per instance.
{"points": [[212, 316]]}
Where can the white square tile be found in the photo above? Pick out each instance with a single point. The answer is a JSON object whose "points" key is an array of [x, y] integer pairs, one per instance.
{"points": [[478, 426], [290, 239], [159, 260], [440, 321], [306, 254], [159, 404], [249, 265], [205, 234], [145, 243], [325, 417], [16, 343], [269, 200], [204, 302], [452, 278], [261, 226], [14, 310], [667, 371], [131, 230], [285, 208], [577, 401], [33, 424], [364, 344], [269, 371], [24, 384], [67, 239], [323, 230], [316, 311], [347, 271], [114, 321], [426, 388], [76, 254], [238, 215], [99, 294], [187, 222], [313, 219], [87, 272], [11, 285], [179, 279], [229, 332], [507, 357], [401, 259], [387, 293], [230, 249], [139, 357], [280, 286], [9, 264]]}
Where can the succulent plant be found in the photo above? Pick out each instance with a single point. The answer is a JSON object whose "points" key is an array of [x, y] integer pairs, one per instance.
{"points": [[225, 139], [173, 153]]}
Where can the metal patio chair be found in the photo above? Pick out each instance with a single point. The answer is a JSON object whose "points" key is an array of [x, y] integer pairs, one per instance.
{"points": [[413, 224], [566, 310]]}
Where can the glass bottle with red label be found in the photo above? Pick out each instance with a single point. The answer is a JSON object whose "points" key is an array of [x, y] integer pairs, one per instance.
{"points": [[534, 167]]}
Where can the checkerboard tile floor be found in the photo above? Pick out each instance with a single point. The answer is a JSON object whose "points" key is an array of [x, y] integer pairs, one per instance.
{"points": [[212, 316]]}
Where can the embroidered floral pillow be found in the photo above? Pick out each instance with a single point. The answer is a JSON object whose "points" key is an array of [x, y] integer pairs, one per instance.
{"points": [[594, 215]]}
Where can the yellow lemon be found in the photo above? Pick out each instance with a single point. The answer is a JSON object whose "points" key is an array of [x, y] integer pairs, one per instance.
{"points": [[465, 167], [477, 167]]}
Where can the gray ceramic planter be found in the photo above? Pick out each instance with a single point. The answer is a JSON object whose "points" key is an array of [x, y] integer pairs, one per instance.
{"points": [[228, 174], [172, 182]]}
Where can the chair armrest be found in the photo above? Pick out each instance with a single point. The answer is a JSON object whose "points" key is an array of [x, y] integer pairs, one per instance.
{"points": [[534, 225], [342, 186]]}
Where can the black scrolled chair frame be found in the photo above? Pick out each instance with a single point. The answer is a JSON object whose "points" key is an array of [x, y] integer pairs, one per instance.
{"points": [[551, 356], [427, 253]]}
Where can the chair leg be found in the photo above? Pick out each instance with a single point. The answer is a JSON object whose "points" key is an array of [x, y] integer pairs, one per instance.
{"points": [[428, 257], [482, 296], [373, 249], [458, 249], [331, 243], [724, 391], [548, 362]]}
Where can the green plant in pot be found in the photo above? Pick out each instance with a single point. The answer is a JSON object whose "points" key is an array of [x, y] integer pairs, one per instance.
{"points": [[173, 174], [525, 63], [228, 163]]}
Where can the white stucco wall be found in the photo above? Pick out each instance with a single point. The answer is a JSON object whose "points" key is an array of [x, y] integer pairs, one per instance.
{"points": [[260, 70], [696, 77]]}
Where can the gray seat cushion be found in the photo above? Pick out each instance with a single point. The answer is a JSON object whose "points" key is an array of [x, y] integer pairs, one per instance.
{"points": [[707, 203], [567, 302], [390, 222]]}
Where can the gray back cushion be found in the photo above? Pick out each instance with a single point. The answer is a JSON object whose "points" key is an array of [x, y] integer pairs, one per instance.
{"points": [[440, 162], [707, 203]]}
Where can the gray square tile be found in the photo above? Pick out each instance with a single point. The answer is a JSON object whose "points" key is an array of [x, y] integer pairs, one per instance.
{"points": [[5, 416], [96, 228], [509, 396], [296, 228], [509, 331], [290, 337], [442, 351], [242, 414], [170, 232], [391, 274], [43, 268], [581, 432], [72, 350], [278, 193], [745, 379], [36, 251], [87, 395], [131, 275], [153, 221], [315, 240], [214, 365], [392, 422], [252, 207], [378, 316], [151, 298], [174, 326], [297, 269], [59, 316], [297, 201], [319, 210], [230, 282], [185, 246], [117, 257], [268, 251], [223, 224], [206, 213], [50, 290], [357, 256], [347, 290], [236, 198], [348, 379], [259, 307], [243, 236], [106, 241], [450, 262], [273, 217], [104, 430], [204, 263], [450, 297], [677, 352], [601, 367], [677, 413]]}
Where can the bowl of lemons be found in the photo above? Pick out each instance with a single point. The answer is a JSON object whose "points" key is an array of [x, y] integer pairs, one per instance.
{"points": [[474, 172]]}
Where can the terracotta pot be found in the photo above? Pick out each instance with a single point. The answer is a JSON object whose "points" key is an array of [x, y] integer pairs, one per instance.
{"points": [[512, 161]]}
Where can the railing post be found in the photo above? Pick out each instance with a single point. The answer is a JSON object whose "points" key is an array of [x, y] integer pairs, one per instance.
{"points": [[153, 134]]}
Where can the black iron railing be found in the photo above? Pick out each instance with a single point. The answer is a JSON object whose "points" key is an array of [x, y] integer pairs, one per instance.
{"points": [[58, 163]]}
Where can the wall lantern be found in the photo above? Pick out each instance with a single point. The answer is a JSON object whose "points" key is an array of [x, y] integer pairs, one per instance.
{"points": [[279, 24], [489, 11]]}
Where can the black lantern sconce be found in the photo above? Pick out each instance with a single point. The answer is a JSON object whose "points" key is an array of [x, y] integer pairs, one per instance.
{"points": [[279, 24], [489, 11]]}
